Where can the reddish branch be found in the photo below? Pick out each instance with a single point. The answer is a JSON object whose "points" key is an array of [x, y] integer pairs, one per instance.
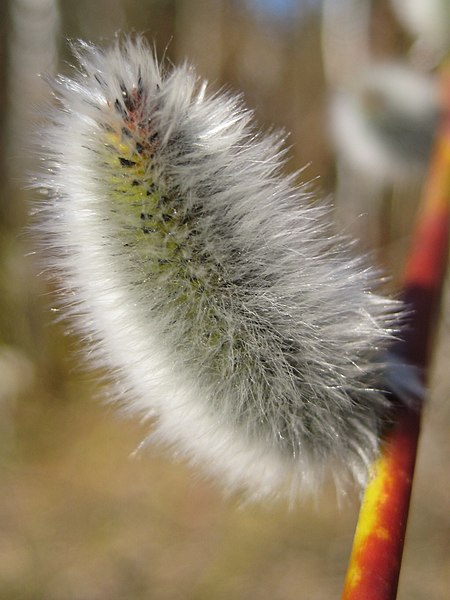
{"points": [[378, 545]]}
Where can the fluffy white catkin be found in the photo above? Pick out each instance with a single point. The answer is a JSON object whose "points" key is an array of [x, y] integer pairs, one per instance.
{"points": [[211, 287]]}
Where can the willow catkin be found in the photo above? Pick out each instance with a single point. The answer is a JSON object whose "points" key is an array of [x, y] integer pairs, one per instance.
{"points": [[210, 285]]}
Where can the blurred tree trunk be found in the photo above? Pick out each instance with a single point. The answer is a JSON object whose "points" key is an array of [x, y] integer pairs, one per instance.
{"points": [[3, 90], [199, 35]]}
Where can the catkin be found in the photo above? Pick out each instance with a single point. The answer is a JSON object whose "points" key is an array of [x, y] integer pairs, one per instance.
{"points": [[210, 286]]}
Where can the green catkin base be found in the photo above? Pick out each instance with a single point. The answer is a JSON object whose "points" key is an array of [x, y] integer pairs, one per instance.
{"points": [[159, 233]]}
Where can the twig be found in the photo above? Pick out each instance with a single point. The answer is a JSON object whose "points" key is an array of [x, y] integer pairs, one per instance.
{"points": [[375, 561]]}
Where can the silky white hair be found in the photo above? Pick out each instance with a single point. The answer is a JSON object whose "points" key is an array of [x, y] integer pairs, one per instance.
{"points": [[210, 286]]}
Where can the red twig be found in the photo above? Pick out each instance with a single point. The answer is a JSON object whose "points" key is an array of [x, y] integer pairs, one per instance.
{"points": [[374, 566]]}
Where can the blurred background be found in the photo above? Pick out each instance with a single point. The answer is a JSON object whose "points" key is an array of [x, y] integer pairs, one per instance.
{"points": [[354, 83]]}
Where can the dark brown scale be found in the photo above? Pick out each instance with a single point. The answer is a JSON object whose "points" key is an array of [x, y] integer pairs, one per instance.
{"points": [[128, 101], [99, 80], [166, 218], [126, 132], [139, 148], [107, 127], [129, 104], [119, 108], [125, 162], [146, 216], [135, 182], [153, 137], [140, 87]]}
